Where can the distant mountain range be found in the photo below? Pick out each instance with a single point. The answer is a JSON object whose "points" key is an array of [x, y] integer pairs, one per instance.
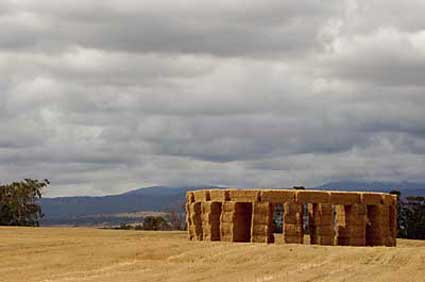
{"points": [[74, 210], [406, 188]]}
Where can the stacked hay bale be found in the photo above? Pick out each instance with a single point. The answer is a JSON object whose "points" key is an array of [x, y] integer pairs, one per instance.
{"points": [[383, 224], [342, 234], [325, 225], [320, 216], [211, 212], [262, 219], [293, 218], [375, 228], [246, 216], [227, 221], [381, 219], [195, 221], [357, 225]]}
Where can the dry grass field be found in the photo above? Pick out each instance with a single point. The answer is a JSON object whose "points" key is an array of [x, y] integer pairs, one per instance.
{"points": [[83, 254]]}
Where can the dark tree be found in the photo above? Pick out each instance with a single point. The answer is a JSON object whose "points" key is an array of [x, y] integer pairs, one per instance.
{"points": [[415, 217], [410, 216], [19, 202], [155, 223]]}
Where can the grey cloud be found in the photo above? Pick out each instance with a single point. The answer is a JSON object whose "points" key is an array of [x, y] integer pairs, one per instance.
{"points": [[385, 57], [222, 29], [101, 97]]}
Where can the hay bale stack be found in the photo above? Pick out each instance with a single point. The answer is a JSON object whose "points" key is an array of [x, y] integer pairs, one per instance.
{"points": [[195, 221], [262, 221], [211, 212], [227, 221], [247, 216], [325, 225], [293, 218]]}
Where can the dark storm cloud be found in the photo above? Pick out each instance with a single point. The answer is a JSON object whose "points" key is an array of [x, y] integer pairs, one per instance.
{"points": [[103, 96]]}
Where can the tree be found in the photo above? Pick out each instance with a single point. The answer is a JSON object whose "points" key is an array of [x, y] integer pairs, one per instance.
{"points": [[415, 218], [155, 223], [410, 216], [19, 202]]}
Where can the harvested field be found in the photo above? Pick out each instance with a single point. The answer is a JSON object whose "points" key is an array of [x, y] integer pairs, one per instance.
{"points": [[83, 254]]}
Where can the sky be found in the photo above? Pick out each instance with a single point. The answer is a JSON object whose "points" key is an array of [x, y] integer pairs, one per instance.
{"points": [[104, 96]]}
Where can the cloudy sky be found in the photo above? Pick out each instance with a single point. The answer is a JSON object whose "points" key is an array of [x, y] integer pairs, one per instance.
{"points": [[109, 95]]}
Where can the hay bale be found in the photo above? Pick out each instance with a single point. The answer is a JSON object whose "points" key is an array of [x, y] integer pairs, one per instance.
{"points": [[190, 197], [344, 198], [277, 196], [229, 206], [292, 229], [217, 195], [293, 239], [372, 198], [200, 195], [243, 195], [327, 240], [305, 196]]}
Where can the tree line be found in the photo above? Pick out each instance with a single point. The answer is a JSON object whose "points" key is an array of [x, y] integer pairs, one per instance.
{"points": [[19, 202], [172, 221]]}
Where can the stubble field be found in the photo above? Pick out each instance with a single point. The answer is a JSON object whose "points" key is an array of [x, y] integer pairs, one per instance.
{"points": [[83, 254]]}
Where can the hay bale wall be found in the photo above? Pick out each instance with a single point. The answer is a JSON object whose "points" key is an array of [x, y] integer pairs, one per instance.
{"points": [[334, 218]]}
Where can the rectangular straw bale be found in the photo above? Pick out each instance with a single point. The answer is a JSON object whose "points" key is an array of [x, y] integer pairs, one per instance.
{"points": [[293, 239], [305, 196], [358, 221], [371, 198], [292, 228], [324, 219], [190, 197], [359, 209], [260, 239], [226, 227], [227, 237], [261, 220], [229, 206], [325, 232], [357, 241], [217, 195], [344, 198], [206, 207], [227, 217], [325, 209], [259, 229], [327, 240], [292, 209], [389, 199], [277, 196], [262, 208], [243, 195], [200, 195], [292, 220]]}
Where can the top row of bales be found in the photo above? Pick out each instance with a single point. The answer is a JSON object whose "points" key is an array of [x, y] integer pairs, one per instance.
{"points": [[294, 196]]}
